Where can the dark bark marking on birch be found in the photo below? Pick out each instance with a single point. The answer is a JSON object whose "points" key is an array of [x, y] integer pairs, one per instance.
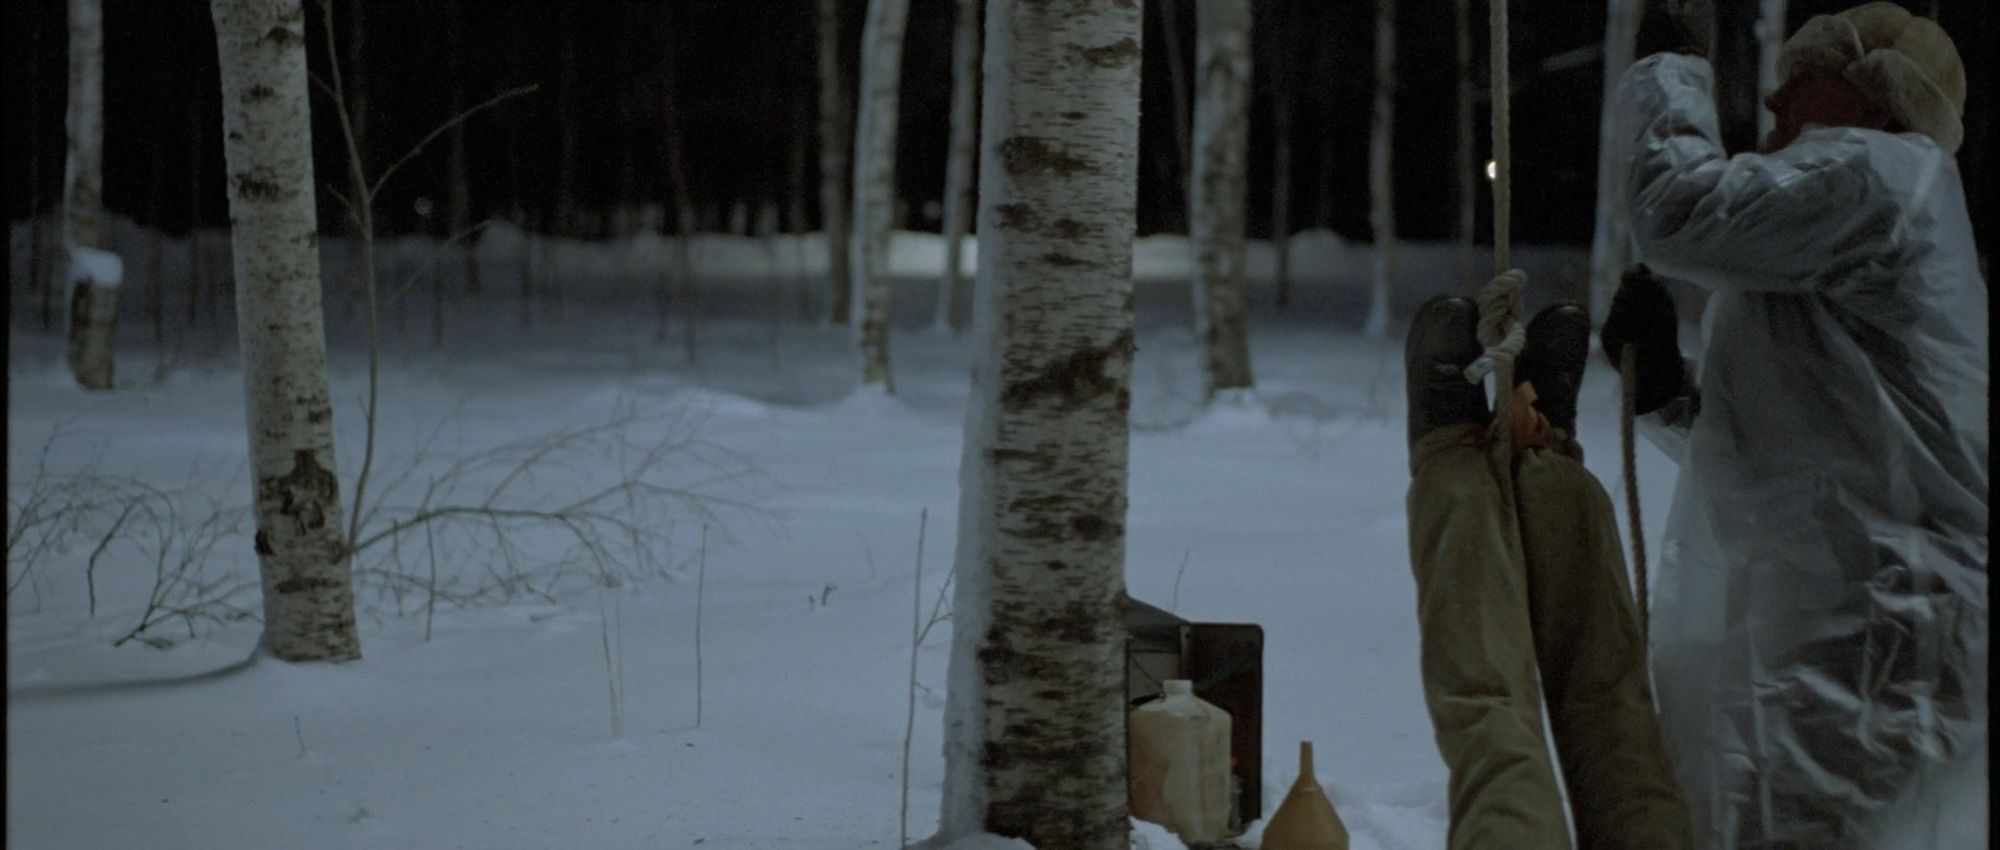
{"points": [[1072, 380], [1061, 260], [1120, 52], [1069, 228], [1016, 216], [259, 92], [306, 585], [303, 493], [1026, 155], [254, 189], [282, 37]]}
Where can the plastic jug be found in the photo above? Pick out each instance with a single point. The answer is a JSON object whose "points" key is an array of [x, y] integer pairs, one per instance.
{"points": [[1179, 764], [1306, 819]]}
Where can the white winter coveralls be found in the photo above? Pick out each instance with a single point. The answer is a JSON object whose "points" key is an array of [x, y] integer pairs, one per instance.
{"points": [[1819, 624]]}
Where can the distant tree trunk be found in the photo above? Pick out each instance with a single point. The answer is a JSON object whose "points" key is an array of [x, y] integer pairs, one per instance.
{"points": [[1611, 245], [308, 590], [686, 217], [1736, 77], [1035, 715], [38, 249], [958, 174], [93, 288], [1381, 187], [458, 192], [797, 217], [1177, 78], [156, 207], [356, 85], [1282, 69], [197, 261], [1219, 190], [835, 147], [1468, 164], [1770, 40], [566, 211], [875, 183]]}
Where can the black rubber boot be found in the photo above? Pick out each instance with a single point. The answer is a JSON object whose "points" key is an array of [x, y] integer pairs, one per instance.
{"points": [[1443, 341], [1553, 360]]}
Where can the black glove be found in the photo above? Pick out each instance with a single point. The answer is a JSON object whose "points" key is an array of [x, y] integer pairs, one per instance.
{"points": [[1642, 315]]}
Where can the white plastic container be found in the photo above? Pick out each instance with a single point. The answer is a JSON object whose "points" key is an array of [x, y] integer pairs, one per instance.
{"points": [[1179, 764]]}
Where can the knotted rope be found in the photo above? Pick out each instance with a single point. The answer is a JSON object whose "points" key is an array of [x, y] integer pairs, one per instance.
{"points": [[1500, 328]]}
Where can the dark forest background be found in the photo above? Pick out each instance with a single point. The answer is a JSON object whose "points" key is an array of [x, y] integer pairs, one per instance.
{"points": [[733, 83]]}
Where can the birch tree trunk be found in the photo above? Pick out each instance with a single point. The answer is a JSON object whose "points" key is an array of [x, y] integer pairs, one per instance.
{"points": [[1770, 40], [1468, 164], [1035, 716], [93, 274], [1381, 189], [875, 183], [1219, 189], [1611, 244], [834, 148], [308, 591], [958, 166]]}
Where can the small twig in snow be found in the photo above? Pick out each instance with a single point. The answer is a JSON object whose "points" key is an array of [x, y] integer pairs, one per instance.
{"points": [[910, 702]]}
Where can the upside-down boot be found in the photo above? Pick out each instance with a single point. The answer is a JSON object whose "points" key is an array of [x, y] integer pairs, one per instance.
{"points": [[1443, 340], [1553, 361]]}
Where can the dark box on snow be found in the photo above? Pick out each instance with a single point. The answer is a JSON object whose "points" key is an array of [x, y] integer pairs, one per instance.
{"points": [[1225, 661]]}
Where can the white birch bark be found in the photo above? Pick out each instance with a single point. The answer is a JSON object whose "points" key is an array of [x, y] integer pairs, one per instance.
{"points": [[1034, 740], [1770, 40], [958, 173], [1218, 191], [308, 591], [1381, 189], [1611, 246], [834, 148], [92, 301], [875, 184]]}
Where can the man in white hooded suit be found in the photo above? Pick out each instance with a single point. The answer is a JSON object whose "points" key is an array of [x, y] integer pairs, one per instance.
{"points": [[1819, 630]]}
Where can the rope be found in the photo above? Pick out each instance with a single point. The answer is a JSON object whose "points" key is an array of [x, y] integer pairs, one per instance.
{"points": [[1627, 374], [1500, 328]]}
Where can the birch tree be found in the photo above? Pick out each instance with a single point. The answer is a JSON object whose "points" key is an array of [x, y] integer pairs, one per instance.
{"points": [[875, 183], [1218, 191], [958, 164], [308, 590], [93, 273], [1381, 189], [1770, 41], [1611, 244], [1035, 733], [834, 145]]}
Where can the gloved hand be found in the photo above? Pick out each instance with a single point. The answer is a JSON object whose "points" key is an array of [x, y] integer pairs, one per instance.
{"points": [[1642, 315]]}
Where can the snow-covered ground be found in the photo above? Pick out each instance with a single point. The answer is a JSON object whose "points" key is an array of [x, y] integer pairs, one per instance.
{"points": [[1284, 509]]}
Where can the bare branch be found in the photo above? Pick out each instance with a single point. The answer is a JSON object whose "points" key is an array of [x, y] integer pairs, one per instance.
{"points": [[441, 129]]}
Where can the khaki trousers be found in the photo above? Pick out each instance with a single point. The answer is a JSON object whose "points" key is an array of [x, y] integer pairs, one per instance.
{"points": [[1514, 610]]}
